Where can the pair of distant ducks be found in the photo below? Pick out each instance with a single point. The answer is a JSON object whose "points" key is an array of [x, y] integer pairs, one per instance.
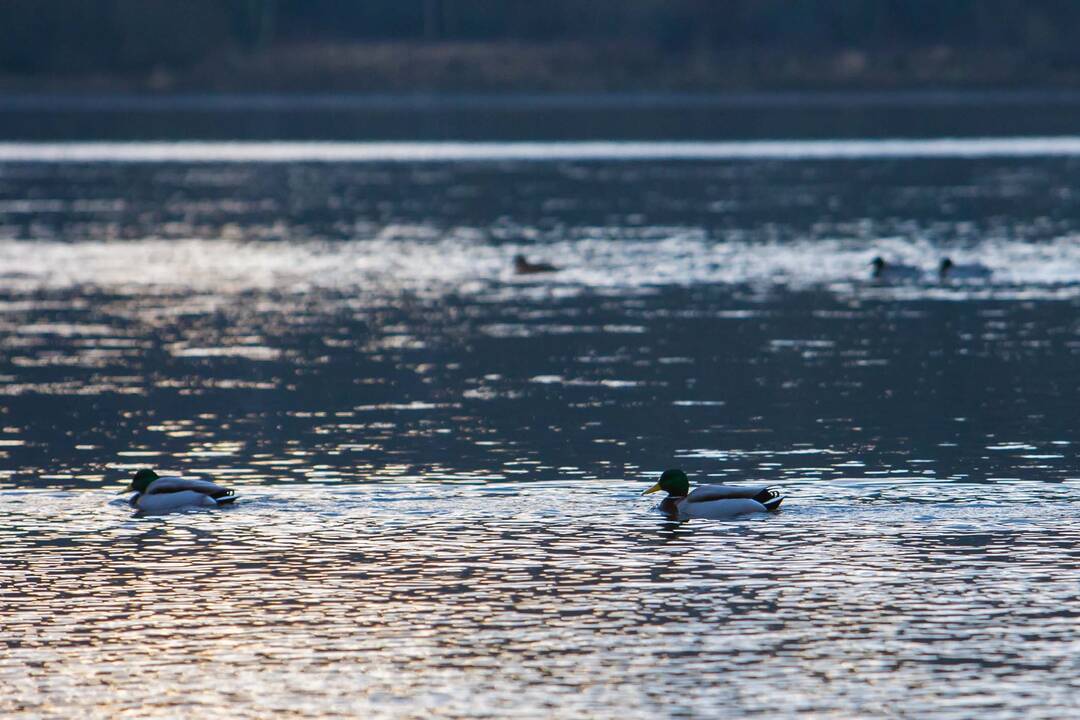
{"points": [[946, 269], [155, 494]]}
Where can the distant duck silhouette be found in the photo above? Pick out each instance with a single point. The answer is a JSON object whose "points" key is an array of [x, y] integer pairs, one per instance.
{"points": [[948, 270], [523, 267], [890, 271]]}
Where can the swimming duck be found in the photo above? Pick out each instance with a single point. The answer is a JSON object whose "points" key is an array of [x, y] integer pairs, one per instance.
{"points": [[523, 267], [714, 502], [159, 494], [890, 271], [950, 270]]}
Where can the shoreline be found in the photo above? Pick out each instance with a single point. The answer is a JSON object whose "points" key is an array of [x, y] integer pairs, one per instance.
{"points": [[567, 68], [120, 101]]}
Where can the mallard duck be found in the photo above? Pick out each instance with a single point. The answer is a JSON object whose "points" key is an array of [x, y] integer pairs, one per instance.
{"points": [[948, 270], [158, 494], [715, 502], [886, 271], [523, 267]]}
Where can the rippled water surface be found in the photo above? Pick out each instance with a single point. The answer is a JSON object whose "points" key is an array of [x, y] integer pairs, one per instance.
{"points": [[439, 463]]}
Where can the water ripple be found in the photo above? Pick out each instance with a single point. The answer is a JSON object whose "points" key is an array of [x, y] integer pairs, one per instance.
{"points": [[557, 597], [439, 462]]}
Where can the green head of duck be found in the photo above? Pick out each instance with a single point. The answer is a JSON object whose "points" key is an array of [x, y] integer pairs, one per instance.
{"points": [[141, 480], [674, 482]]}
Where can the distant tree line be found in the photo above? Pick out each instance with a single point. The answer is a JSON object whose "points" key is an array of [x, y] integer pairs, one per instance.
{"points": [[71, 36]]}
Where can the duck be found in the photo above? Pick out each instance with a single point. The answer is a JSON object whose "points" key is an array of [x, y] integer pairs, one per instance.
{"points": [[713, 502], [948, 270], [523, 267], [889, 271], [160, 494]]}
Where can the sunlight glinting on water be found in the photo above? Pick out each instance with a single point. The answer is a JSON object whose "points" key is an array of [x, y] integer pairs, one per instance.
{"points": [[409, 259], [379, 601], [438, 462]]}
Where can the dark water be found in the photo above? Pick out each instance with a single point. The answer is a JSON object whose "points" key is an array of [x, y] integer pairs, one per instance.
{"points": [[439, 462], [549, 117]]}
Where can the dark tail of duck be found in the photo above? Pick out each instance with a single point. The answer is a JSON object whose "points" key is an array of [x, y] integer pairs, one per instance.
{"points": [[771, 499], [224, 497]]}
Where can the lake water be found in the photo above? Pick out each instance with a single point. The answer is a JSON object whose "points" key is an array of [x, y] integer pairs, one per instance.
{"points": [[439, 462]]}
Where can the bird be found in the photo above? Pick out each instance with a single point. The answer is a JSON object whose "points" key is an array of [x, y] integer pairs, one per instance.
{"points": [[713, 502], [160, 494], [948, 270], [523, 267], [890, 271]]}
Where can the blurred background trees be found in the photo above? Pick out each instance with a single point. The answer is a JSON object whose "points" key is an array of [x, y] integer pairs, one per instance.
{"points": [[50, 37]]}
